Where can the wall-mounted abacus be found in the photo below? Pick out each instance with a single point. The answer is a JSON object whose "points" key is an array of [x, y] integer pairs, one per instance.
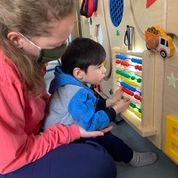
{"points": [[128, 74]]}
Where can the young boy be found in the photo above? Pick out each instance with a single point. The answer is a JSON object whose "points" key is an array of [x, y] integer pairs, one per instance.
{"points": [[72, 100]]}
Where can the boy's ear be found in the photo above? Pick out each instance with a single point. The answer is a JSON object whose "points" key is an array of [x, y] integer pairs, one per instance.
{"points": [[78, 73], [15, 38]]}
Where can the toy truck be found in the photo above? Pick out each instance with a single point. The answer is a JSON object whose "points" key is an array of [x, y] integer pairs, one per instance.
{"points": [[157, 39]]}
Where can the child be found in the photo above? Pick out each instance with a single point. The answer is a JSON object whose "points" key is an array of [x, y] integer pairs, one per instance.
{"points": [[72, 100]]}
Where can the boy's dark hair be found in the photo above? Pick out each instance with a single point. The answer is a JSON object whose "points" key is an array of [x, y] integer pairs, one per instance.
{"points": [[82, 52]]}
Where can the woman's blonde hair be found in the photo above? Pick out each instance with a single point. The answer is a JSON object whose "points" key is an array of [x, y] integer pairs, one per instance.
{"points": [[30, 18]]}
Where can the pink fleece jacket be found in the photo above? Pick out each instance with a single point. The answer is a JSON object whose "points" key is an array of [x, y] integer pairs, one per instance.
{"points": [[21, 115]]}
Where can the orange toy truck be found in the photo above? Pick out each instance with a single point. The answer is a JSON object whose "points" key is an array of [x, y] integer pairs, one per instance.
{"points": [[157, 39]]}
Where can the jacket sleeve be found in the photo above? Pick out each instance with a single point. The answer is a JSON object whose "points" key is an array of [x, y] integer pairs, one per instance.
{"points": [[101, 105], [82, 109], [18, 147]]}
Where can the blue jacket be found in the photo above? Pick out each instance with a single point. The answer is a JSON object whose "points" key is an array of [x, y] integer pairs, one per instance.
{"points": [[74, 102]]}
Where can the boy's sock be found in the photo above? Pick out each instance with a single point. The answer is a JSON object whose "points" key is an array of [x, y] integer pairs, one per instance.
{"points": [[143, 159]]}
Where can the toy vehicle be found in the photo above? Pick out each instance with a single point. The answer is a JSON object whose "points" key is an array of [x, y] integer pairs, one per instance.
{"points": [[157, 39]]}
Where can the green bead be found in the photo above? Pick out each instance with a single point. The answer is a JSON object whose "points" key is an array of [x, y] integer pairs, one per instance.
{"points": [[132, 77], [139, 80], [132, 105], [122, 73]]}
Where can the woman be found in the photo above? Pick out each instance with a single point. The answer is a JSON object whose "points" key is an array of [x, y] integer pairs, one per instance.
{"points": [[28, 29]]}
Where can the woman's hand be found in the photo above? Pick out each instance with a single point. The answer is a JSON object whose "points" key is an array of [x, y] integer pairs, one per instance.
{"points": [[114, 98], [87, 134]]}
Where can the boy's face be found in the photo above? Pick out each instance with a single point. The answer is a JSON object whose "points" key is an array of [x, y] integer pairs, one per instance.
{"points": [[95, 74]]}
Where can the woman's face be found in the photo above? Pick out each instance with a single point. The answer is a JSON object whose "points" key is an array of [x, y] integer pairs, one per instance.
{"points": [[58, 34]]}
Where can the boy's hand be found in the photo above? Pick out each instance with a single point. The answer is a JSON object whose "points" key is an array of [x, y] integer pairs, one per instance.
{"points": [[114, 98], [121, 105]]}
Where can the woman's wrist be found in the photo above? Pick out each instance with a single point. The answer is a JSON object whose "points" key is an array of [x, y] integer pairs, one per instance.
{"points": [[75, 132]]}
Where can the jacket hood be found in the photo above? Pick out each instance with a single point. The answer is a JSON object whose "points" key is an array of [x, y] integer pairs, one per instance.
{"points": [[62, 79]]}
